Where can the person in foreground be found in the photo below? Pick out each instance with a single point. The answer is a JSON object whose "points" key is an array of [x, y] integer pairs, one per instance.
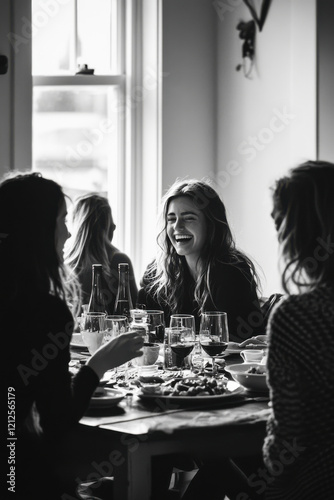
{"points": [[198, 266], [298, 450], [300, 433], [36, 327], [91, 243]]}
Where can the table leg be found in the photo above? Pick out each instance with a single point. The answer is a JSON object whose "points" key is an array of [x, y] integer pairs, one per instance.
{"points": [[137, 466]]}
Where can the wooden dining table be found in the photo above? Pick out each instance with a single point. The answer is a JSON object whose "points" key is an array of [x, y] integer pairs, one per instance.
{"points": [[143, 430]]}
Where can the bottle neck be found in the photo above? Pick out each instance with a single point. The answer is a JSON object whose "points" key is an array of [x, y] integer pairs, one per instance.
{"points": [[123, 303], [96, 302], [123, 284]]}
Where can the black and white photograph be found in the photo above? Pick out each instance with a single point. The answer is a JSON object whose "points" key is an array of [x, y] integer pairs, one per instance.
{"points": [[167, 249]]}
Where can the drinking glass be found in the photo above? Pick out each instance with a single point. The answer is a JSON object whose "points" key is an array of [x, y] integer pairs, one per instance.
{"points": [[213, 335], [93, 330], [116, 325], [182, 321], [155, 322], [181, 337]]}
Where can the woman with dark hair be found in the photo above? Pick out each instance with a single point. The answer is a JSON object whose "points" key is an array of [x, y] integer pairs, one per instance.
{"points": [[300, 433], [36, 327], [198, 266], [91, 243]]}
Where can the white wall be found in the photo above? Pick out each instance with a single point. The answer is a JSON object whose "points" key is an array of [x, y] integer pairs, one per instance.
{"points": [[189, 89], [283, 82], [326, 79]]}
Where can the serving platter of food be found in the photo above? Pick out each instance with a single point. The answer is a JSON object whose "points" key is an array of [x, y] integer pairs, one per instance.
{"points": [[192, 390]]}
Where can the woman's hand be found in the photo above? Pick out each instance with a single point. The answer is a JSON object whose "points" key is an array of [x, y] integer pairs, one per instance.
{"points": [[116, 352]]}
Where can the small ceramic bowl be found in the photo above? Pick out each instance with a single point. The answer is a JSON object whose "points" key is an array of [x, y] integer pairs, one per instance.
{"points": [[252, 355], [256, 382]]}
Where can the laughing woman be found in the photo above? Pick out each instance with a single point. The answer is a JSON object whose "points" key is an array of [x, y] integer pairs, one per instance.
{"points": [[197, 266]]}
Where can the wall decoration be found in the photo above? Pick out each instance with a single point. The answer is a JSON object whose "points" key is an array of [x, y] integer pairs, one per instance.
{"points": [[248, 34]]}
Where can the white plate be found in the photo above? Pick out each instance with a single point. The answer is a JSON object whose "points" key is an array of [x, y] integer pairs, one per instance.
{"points": [[111, 397], [234, 348], [77, 341], [233, 390]]}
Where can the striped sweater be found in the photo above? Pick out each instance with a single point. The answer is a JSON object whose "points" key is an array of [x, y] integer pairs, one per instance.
{"points": [[299, 447]]}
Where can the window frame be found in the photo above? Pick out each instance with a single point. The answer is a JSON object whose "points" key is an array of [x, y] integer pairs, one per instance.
{"points": [[140, 148]]}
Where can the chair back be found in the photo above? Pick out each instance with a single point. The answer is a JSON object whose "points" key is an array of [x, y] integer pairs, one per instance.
{"points": [[267, 305]]}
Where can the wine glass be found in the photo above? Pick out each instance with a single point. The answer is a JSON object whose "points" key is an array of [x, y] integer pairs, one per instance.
{"points": [[182, 321], [181, 337], [93, 330], [213, 335]]}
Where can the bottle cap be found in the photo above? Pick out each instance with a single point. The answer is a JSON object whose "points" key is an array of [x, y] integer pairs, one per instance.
{"points": [[123, 265], [138, 314]]}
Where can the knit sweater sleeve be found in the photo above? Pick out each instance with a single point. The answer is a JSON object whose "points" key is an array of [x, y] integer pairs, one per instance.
{"points": [[285, 377], [298, 450]]}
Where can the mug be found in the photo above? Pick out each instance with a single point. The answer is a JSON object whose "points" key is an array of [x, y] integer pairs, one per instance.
{"points": [[252, 355]]}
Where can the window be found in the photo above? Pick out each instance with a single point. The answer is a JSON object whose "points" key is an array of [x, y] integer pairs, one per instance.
{"points": [[77, 133], [99, 130]]}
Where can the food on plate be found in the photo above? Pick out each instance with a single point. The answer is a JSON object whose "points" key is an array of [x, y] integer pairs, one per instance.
{"points": [[257, 370], [196, 386]]}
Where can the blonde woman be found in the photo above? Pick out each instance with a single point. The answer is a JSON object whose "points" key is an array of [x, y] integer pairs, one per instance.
{"points": [[91, 243]]}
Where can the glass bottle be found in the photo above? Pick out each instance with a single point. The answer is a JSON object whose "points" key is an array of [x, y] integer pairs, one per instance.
{"points": [[123, 303], [96, 301], [197, 360], [139, 322]]}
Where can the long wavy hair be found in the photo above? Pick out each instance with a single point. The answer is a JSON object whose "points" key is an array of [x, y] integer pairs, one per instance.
{"points": [[29, 206], [92, 233], [166, 275], [303, 211]]}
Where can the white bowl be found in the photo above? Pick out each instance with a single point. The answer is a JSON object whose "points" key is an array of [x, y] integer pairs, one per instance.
{"points": [[250, 381]]}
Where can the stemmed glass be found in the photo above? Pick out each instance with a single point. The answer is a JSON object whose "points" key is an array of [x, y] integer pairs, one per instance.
{"points": [[213, 335], [93, 329], [182, 336]]}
